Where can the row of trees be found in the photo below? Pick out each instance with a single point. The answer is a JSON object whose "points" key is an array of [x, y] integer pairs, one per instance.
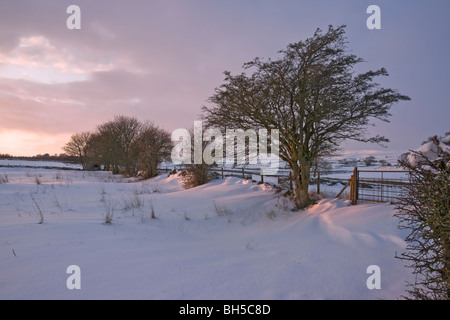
{"points": [[45, 157], [123, 144]]}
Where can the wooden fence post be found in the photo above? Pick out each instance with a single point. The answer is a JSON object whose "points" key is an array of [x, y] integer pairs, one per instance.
{"points": [[318, 183], [222, 172], [243, 174]]}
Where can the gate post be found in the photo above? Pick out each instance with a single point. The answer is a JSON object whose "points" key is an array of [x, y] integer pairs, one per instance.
{"points": [[352, 189]]}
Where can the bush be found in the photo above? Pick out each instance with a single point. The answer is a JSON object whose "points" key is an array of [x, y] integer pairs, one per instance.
{"points": [[425, 212], [195, 175], [369, 161], [4, 178]]}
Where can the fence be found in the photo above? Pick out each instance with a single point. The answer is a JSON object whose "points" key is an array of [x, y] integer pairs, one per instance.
{"points": [[377, 186], [284, 178], [365, 185]]}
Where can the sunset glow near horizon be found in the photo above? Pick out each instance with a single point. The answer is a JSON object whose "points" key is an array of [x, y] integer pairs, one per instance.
{"points": [[160, 61]]}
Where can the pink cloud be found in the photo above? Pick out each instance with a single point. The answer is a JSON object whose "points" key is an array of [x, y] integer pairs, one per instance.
{"points": [[38, 57]]}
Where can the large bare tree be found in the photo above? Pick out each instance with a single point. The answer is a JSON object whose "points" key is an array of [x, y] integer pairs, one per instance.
{"points": [[311, 95]]}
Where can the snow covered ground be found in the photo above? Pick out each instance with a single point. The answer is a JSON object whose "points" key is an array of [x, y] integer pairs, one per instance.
{"points": [[229, 239], [38, 164]]}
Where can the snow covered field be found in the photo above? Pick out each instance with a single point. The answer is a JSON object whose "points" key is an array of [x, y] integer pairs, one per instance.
{"points": [[229, 239], [38, 164]]}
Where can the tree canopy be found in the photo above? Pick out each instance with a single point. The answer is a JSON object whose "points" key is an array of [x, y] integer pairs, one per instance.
{"points": [[311, 95], [122, 144]]}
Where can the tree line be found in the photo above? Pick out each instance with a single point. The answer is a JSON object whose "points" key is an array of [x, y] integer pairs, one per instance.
{"points": [[44, 157], [123, 145]]}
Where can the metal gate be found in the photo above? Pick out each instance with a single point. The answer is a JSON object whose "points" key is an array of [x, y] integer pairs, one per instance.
{"points": [[378, 186]]}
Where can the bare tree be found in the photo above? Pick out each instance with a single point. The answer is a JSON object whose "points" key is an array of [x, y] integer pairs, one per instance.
{"points": [[152, 146], [118, 138], [127, 131], [310, 95], [105, 148], [78, 146], [99, 152]]}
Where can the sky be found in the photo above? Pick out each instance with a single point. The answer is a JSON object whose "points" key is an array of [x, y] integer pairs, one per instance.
{"points": [[161, 60]]}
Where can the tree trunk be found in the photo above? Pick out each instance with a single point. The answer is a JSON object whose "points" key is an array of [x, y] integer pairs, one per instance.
{"points": [[301, 178], [304, 192]]}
